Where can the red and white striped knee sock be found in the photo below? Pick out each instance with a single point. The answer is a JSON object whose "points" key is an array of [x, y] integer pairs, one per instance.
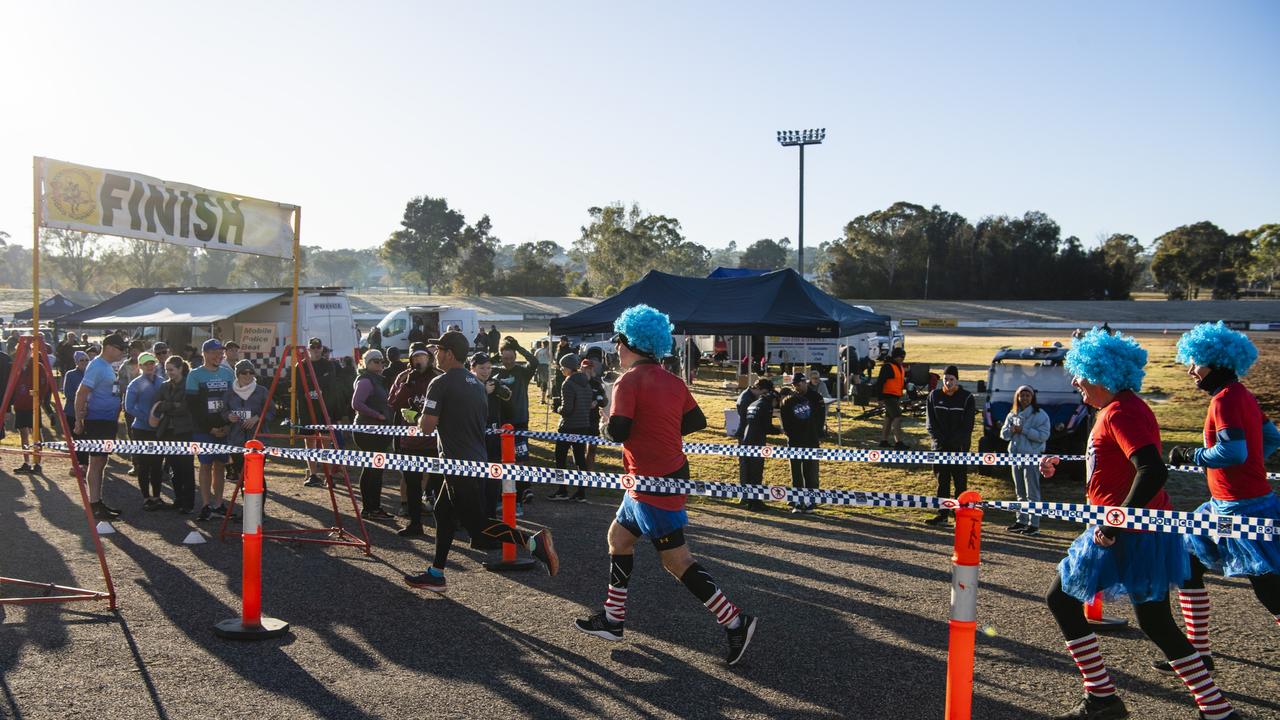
{"points": [[615, 601], [1088, 658], [1195, 615], [1196, 677], [704, 588]]}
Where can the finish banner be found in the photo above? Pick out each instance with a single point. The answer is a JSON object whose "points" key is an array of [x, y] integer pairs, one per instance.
{"points": [[110, 202]]}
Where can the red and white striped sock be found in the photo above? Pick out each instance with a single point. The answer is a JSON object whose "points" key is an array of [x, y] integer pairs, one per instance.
{"points": [[1195, 615], [1088, 658], [725, 611], [1277, 619], [615, 604], [1196, 677]]}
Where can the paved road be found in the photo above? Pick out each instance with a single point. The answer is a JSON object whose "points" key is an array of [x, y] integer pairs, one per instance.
{"points": [[853, 624]]}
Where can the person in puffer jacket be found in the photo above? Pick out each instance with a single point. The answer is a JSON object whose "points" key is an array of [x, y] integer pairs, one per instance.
{"points": [[576, 399], [1026, 427], [245, 406], [407, 396]]}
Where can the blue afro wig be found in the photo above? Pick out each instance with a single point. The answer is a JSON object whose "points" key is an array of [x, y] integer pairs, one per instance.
{"points": [[648, 330], [1113, 361], [1216, 345]]}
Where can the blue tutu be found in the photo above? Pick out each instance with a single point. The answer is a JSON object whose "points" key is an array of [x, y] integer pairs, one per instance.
{"points": [[1235, 556], [1140, 565]]}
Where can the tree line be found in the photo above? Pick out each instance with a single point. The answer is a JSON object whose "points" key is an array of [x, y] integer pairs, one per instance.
{"points": [[903, 251]]}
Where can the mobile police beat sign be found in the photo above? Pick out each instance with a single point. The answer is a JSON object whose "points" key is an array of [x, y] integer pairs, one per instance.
{"points": [[78, 197]]}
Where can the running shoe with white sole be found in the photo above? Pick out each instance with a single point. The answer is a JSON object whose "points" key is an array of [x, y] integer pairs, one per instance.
{"points": [[600, 626], [740, 638]]}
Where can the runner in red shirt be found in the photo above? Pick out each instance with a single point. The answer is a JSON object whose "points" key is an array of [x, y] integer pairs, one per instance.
{"points": [[651, 411], [1238, 437], [1125, 469]]}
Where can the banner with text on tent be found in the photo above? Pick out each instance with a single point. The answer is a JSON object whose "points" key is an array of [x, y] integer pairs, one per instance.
{"points": [[111, 202]]}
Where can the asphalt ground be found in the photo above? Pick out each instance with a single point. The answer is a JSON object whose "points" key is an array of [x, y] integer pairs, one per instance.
{"points": [[853, 622]]}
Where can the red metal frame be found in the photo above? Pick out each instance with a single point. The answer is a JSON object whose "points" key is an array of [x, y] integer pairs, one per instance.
{"points": [[72, 593], [337, 534]]}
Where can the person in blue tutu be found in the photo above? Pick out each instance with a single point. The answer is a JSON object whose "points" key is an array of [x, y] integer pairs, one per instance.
{"points": [[1238, 437], [1125, 469]]}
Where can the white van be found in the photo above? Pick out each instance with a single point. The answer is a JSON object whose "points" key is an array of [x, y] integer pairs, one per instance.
{"points": [[263, 330], [436, 319]]}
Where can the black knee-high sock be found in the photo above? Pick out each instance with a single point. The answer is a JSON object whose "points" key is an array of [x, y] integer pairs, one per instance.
{"points": [[704, 588], [1267, 589], [615, 602]]}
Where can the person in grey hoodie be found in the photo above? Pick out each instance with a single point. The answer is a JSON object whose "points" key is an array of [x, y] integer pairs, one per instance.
{"points": [[1026, 427], [576, 401]]}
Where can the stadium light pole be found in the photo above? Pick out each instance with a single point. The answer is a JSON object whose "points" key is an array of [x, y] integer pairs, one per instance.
{"points": [[787, 138]]}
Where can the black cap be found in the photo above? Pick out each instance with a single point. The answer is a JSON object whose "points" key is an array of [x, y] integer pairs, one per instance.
{"points": [[799, 377], [764, 384], [952, 370], [231, 344], [160, 347], [315, 342], [115, 341], [454, 342], [479, 359], [898, 352]]}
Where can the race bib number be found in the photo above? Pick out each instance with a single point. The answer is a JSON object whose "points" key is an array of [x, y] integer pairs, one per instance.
{"points": [[241, 414], [215, 406]]}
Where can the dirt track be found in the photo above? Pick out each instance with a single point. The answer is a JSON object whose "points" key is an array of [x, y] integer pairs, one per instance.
{"points": [[853, 624]]}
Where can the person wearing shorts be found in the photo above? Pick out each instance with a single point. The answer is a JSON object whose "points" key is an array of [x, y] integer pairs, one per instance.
{"points": [[456, 407], [1124, 469], [1238, 438], [650, 412], [207, 387], [97, 411]]}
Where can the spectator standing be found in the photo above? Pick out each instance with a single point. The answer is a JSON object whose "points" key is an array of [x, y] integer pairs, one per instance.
{"points": [[745, 398], [407, 396], [375, 338], [575, 419], [395, 366], [542, 354], [516, 377], [23, 403], [949, 418], [480, 343], [139, 398], [1027, 429], [70, 385], [494, 342], [66, 353], [171, 418], [892, 383], [369, 401], [247, 404], [418, 334], [97, 410], [499, 400], [593, 368], [207, 389], [232, 356], [804, 415], [756, 426], [324, 390]]}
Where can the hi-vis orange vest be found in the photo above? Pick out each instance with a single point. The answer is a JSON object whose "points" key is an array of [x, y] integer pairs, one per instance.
{"points": [[893, 385]]}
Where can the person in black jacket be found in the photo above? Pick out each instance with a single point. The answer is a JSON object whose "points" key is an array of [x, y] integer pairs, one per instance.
{"points": [[745, 398], [804, 416], [756, 426], [949, 420]]}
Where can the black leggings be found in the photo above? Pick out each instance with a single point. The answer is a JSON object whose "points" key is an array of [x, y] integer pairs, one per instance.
{"points": [[371, 478], [1265, 587], [1154, 618], [460, 503], [150, 467], [579, 456], [413, 488]]}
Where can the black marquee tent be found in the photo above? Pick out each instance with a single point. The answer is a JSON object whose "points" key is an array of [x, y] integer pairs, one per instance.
{"points": [[51, 309], [777, 303]]}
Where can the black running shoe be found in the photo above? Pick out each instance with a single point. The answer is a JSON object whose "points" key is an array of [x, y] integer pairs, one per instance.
{"points": [[100, 512], [1031, 532], [314, 481], [544, 550], [206, 512], [580, 496], [37, 470], [1093, 707], [560, 494], [114, 512], [600, 626], [426, 581], [411, 530], [939, 519], [740, 638], [23, 469], [1016, 527], [528, 497], [901, 446], [1163, 665]]}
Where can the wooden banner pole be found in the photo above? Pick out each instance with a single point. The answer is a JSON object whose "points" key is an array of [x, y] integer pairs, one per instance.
{"points": [[293, 327], [37, 342]]}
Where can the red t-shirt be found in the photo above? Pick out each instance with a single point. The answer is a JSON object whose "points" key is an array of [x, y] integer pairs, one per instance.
{"points": [[1120, 429], [1235, 407], [656, 402]]}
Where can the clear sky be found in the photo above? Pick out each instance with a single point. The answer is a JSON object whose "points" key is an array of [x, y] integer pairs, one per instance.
{"points": [[1109, 116]]}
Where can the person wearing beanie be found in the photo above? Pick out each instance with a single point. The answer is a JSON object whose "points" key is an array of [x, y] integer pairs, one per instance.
{"points": [[576, 400], [369, 402], [804, 417], [1238, 438], [1124, 469], [247, 408], [949, 416], [650, 413]]}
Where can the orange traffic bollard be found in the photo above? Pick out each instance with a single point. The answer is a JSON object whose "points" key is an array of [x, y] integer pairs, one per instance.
{"points": [[251, 625], [964, 607], [1098, 621], [509, 560]]}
